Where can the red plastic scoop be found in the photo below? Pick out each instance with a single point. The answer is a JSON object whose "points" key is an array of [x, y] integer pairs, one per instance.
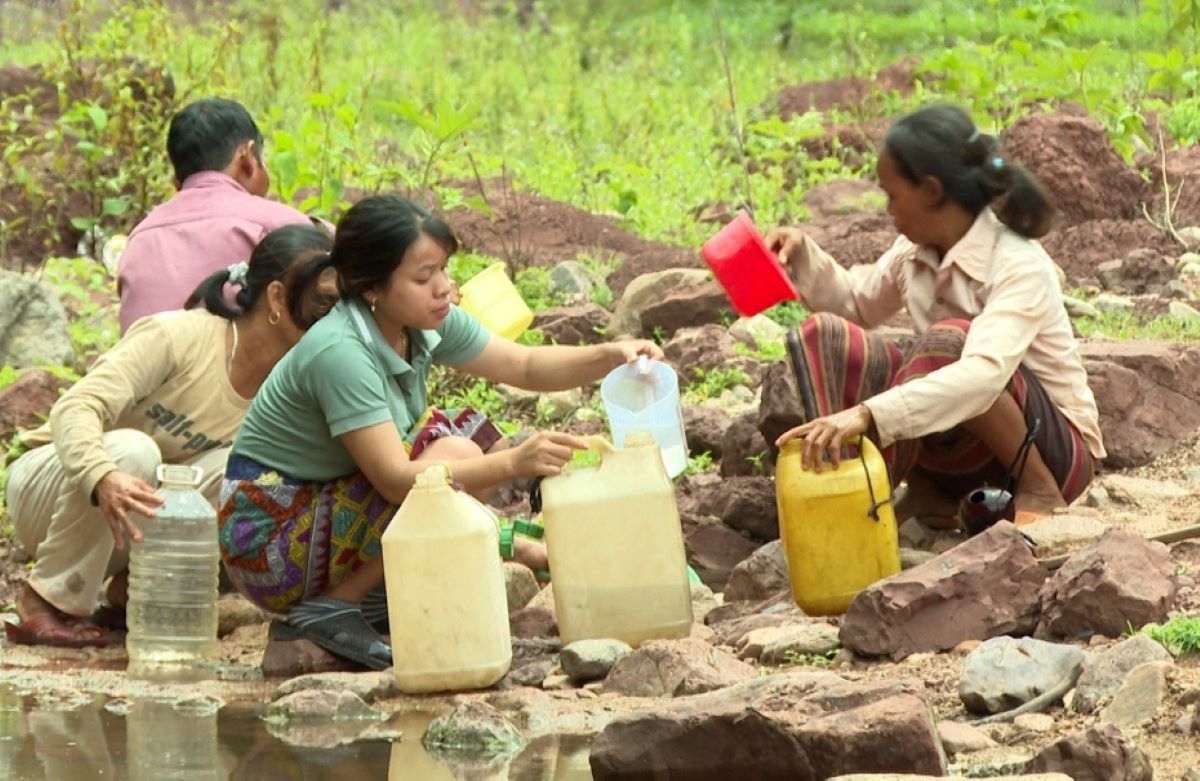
{"points": [[753, 278]]}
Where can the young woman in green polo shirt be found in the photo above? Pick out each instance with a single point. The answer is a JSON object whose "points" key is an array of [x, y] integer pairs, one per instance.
{"points": [[335, 438]]}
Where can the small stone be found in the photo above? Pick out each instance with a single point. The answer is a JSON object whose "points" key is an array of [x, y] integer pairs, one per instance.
{"points": [[1098, 497], [557, 683], [1183, 312], [1034, 722], [1108, 302], [590, 660]]}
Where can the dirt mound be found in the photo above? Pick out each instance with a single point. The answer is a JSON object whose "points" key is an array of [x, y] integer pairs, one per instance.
{"points": [[1077, 164], [852, 94], [1080, 248], [529, 230]]}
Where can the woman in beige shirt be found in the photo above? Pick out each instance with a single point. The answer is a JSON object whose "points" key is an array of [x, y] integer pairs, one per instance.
{"points": [[173, 390], [995, 358]]}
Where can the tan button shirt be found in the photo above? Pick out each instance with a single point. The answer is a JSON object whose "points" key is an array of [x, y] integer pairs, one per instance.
{"points": [[1004, 283]]}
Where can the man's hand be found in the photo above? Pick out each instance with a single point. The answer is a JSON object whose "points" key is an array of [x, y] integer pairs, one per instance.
{"points": [[826, 435]]}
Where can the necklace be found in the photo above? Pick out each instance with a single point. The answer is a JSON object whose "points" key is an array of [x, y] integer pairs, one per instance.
{"points": [[233, 350]]}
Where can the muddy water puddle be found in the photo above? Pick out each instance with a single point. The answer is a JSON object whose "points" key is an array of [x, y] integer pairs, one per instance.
{"points": [[102, 737]]}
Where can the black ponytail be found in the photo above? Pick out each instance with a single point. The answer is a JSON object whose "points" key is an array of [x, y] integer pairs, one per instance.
{"points": [[271, 261], [943, 142]]}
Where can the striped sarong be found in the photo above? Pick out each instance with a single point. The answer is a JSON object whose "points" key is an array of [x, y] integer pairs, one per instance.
{"points": [[838, 365]]}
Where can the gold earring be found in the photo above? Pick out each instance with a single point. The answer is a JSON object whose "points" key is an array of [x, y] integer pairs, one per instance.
{"points": [[273, 318]]}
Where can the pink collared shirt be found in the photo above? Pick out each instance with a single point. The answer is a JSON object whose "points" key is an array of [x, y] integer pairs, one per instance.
{"points": [[209, 224], [1004, 283]]}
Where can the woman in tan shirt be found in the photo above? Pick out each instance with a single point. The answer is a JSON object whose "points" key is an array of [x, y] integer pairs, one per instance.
{"points": [[173, 390], [995, 357]]}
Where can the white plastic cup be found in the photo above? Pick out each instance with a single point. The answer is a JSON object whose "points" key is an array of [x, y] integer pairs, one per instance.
{"points": [[644, 396]]}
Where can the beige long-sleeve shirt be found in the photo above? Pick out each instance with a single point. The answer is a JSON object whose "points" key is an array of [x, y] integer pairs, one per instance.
{"points": [[167, 378], [1004, 283]]}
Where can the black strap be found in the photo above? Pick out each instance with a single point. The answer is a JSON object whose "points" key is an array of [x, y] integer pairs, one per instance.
{"points": [[1015, 471]]}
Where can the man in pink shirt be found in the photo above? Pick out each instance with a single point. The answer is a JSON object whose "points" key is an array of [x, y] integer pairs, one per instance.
{"points": [[217, 217]]}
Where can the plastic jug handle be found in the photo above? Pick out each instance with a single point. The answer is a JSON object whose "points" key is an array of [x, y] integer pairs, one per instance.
{"points": [[433, 476], [600, 444]]}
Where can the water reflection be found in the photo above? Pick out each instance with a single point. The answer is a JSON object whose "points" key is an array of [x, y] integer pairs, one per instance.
{"points": [[45, 740]]}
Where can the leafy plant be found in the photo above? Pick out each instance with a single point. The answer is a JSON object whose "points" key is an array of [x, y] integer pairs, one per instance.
{"points": [[766, 351], [710, 383], [699, 463], [1180, 636], [795, 658]]}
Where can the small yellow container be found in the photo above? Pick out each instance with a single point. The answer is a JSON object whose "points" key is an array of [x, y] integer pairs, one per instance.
{"points": [[492, 298], [616, 547], [838, 527]]}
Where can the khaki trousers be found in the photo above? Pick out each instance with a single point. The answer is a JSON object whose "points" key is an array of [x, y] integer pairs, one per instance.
{"points": [[67, 536]]}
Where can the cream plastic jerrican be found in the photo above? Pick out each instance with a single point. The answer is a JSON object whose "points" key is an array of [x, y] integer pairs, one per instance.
{"points": [[445, 587], [616, 547]]}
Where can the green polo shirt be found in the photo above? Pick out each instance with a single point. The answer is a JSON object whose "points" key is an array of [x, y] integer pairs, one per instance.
{"points": [[334, 381]]}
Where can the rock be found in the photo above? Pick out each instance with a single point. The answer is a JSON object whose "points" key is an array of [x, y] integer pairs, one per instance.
{"points": [[26, 403], [473, 728], [713, 549], [908, 777], [1183, 312], [1105, 672], [234, 611], [1148, 394], [532, 673], [1140, 696], [761, 575], [780, 408], [520, 585], [758, 331], [1119, 581], [959, 738], [1062, 532], [289, 658], [1111, 302], [686, 306], [572, 325], [1004, 672], [743, 449], [705, 427], [744, 503], [1034, 722], [33, 323], [591, 660], [813, 638], [1101, 753], [1079, 308], [368, 686], [987, 586], [732, 632], [573, 279], [910, 558], [321, 705], [642, 291], [801, 726], [707, 348], [703, 601], [674, 668], [534, 621]]}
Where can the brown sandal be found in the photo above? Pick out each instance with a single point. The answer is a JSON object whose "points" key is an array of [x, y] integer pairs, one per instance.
{"points": [[56, 629]]}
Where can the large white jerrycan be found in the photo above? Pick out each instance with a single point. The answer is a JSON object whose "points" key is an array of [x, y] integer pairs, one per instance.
{"points": [[445, 590], [644, 396], [616, 547]]}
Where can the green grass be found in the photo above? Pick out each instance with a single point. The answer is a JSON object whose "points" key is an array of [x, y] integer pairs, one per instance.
{"points": [[1180, 636], [1130, 325]]}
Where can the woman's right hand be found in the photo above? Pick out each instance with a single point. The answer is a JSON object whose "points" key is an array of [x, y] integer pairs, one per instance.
{"points": [[545, 453], [118, 494], [785, 242]]}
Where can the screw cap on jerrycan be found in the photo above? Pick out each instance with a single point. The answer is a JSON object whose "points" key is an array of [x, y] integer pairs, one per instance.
{"points": [[837, 526], [447, 603], [616, 547], [173, 573]]}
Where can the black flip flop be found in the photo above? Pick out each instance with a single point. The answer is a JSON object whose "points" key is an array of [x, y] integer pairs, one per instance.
{"points": [[339, 628]]}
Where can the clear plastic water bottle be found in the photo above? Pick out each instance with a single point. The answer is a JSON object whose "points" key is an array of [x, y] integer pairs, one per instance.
{"points": [[165, 743], [173, 571]]}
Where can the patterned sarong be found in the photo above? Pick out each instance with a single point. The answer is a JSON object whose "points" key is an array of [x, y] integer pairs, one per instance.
{"points": [[839, 365], [286, 540]]}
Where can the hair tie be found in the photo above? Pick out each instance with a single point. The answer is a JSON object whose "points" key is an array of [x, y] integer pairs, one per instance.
{"points": [[237, 273], [997, 163]]}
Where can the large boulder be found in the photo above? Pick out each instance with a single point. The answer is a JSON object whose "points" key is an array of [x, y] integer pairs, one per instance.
{"points": [[33, 323]]}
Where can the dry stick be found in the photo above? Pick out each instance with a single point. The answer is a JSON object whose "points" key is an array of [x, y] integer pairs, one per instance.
{"points": [[739, 131], [1168, 224], [1178, 535]]}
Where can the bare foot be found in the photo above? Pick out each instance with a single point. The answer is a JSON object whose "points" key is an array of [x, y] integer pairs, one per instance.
{"points": [[1039, 502], [531, 554]]}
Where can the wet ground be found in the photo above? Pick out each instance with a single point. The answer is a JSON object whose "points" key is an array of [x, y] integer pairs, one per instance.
{"points": [[104, 737]]}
